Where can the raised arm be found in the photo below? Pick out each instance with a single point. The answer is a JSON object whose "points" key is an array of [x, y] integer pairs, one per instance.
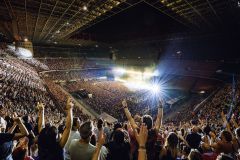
{"points": [[213, 142], [128, 115], [41, 121], [100, 143], [158, 122], [183, 139], [141, 138], [225, 122], [23, 130], [234, 123], [69, 122]]}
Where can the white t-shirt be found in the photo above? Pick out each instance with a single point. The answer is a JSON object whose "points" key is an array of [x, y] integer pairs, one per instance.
{"points": [[84, 151], [3, 123], [73, 135]]}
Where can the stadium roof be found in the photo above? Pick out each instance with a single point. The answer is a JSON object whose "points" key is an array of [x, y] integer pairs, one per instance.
{"points": [[86, 21]]}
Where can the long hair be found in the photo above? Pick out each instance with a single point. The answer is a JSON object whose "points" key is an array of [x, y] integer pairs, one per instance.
{"points": [[47, 140], [171, 144]]}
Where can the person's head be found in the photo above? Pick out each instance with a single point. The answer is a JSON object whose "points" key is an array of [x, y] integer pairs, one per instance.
{"points": [[48, 137], [76, 123], [86, 130], [148, 121], [137, 119], [172, 140], [195, 155], [226, 136], [182, 131], [194, 122], [118, 136], [99, 123], [207, 129], [19, 153], [195, 129], [117, 126], [26, 119]]}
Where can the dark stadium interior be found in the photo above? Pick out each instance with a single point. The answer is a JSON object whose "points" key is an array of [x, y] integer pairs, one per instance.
{"points": [[119, 80]]}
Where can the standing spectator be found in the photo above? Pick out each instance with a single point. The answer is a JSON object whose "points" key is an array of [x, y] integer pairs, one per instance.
{"points": [[152, 129], [73, 135], [170, 151], [118, 149], [6, 139], [50, 146], [82, 149], [193, 138]]}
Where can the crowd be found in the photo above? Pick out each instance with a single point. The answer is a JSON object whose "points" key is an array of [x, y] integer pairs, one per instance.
{"points": [[138, 138], [107, 94], [221, 101], [61, 97], [62, 63], [76, 74], [39, 122], [73, 63]]}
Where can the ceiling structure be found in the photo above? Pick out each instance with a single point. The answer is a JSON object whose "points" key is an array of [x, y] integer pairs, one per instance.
{"points": [[59, 21]]}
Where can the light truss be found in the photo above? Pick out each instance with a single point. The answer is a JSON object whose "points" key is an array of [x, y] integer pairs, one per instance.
{"points": [[57, 20]]}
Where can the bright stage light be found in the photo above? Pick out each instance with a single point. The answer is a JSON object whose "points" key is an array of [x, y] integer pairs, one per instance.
{"points": [[21, 52], [155, 88], [85, 8], [119, 70]]}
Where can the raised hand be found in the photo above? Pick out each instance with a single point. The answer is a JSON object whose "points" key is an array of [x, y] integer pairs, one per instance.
{"points": [[124, 103], [69, 103], [142, 135], [17, 120], [101, 138], [212, 134], [40, 106], [100, 143], [14, 115]]}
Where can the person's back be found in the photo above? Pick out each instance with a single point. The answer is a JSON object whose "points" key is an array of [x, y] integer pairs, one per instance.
{"points": [[48, 146], [6, 145], [151, 145], [73, 135], [167, 156], [118, 151], [194, 140], [81, 151]]}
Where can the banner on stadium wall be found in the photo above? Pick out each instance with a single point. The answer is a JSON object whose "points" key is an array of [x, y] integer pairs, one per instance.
{"points": [[107, 117]]}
